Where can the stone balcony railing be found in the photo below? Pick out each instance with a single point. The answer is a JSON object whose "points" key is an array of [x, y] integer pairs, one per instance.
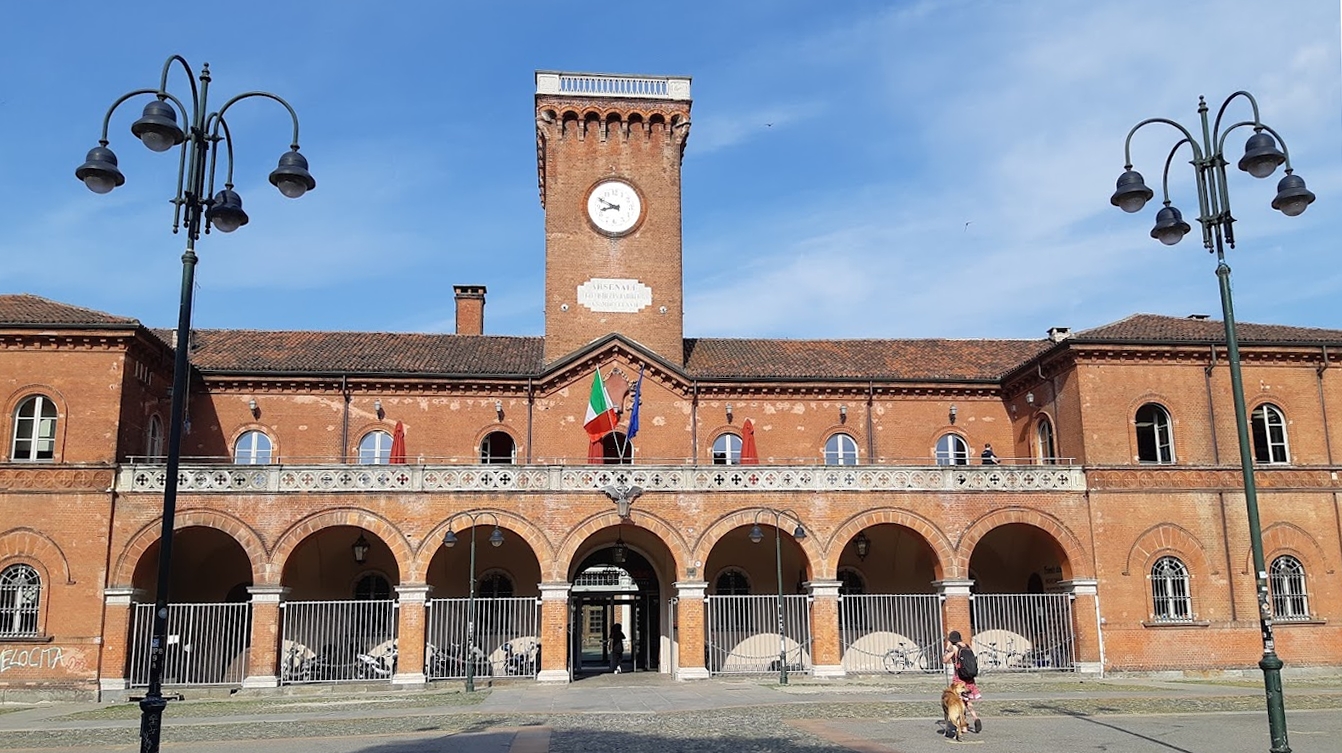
{"points": [[613, 85], [270, 479]]}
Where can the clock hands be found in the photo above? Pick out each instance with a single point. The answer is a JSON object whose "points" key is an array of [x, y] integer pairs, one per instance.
{"points": [[608, 205]]}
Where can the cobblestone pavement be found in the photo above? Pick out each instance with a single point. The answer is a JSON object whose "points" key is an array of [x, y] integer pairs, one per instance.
{"points": [[635, 713]]}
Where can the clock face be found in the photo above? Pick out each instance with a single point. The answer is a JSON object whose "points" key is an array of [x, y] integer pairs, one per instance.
{"points": [[614, 207]]}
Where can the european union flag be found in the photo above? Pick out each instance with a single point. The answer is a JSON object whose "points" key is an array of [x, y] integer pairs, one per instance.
{"points": [[633, 412]]}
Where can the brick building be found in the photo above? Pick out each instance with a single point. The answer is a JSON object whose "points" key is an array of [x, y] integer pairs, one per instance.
{"points": [[325, 473]]}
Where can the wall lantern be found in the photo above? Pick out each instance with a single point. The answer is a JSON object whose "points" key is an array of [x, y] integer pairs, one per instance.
{"points": [[863, 545], [360, 549], [617, 556], [843, 413], [1029, 398], [954, 411], [498, 409], [377, 407], [255, 409], [729, 412]]}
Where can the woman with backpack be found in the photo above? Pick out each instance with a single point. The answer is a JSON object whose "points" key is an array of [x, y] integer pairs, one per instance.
{"points": [[965, 669]]}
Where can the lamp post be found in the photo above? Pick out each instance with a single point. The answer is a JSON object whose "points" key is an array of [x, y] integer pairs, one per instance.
{"points": [[1261, 158], [756, 535], [157, 128], [449, 541]]}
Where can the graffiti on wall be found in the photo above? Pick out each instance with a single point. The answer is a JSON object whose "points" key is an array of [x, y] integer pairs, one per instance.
{"points": [[46, 657]]}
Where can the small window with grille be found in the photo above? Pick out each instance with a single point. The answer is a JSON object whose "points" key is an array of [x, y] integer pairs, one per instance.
{"points": [[1171, 599], [20, 596], [1286, 582]]}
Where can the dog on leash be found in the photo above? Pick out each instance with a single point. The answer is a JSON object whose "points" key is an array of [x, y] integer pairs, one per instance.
{"points": [[953, 710]]}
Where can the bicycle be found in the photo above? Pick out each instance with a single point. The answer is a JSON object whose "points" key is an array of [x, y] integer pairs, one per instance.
{"points": [[371, 667], [297, 664], [904, 657]]}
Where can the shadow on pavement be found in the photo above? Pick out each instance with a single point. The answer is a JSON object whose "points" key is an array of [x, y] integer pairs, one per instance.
{"points": [[1115, 727]]}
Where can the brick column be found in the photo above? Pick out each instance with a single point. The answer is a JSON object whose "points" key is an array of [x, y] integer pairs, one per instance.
{"points": [[1086, 624], [826, 651], [117, 603], [554, 635], [955, 610], [689, 640], [410, 624], [263, 655]]}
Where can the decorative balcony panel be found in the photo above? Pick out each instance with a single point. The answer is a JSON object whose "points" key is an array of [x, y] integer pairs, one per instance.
{"points": [[270, 479]]}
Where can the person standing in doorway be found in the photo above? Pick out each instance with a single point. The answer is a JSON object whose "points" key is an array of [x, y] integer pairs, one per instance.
{"points": [[616, 647]]}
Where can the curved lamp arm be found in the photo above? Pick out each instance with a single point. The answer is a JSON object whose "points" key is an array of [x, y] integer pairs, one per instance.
{"points": [[1257, 122], [190, 77], [219, 114], [1127, 142]]}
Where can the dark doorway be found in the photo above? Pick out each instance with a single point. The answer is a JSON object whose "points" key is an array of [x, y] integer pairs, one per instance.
{"points": [[606, 592]]}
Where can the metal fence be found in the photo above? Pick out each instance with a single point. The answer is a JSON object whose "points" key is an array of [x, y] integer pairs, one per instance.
{"points": [[338, 641], [206, 644], [743, 634], [500, 639], [891, 632], [1023, 632]]}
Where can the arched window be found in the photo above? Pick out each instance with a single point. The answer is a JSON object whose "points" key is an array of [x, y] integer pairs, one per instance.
{"points": [[1155, 440], [495, 585], [20, 595], [952, 450], [34, 430], [252, 448], [1170, 596], [1286, 578], [372, 587], [498, 447], [616, 449], [727, 450], [1269, 435], [154, 438], [1048, 454], [375, 448], [851, 582], [732, 582], [840, 449]]}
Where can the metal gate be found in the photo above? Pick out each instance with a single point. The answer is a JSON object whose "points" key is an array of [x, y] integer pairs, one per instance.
{"points": [[338, 641], [501, 638], [206, 644], [1023, 632], [891, 633], [743, 634]]}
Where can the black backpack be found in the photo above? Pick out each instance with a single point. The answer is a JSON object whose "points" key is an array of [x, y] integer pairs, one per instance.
{"points": [[966, 664]]}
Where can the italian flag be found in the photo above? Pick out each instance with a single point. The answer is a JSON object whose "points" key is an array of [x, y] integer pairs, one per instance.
{"points": [[601, 418]]}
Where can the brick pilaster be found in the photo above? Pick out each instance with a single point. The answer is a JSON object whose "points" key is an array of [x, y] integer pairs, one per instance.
{"points": [[554, 632], [1086, 624], [689, 630], [955, 609], [263, 656], [410, 623], [826, 653], [117, 603]]}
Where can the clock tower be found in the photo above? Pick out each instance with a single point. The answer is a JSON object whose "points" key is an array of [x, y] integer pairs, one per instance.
{"points": [[608, 154]]}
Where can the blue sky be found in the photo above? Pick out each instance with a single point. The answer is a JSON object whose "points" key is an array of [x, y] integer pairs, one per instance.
{"points": [[933, 169]]}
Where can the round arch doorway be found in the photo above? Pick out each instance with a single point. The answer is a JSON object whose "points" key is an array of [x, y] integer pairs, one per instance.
{"points": [[613, 586]]}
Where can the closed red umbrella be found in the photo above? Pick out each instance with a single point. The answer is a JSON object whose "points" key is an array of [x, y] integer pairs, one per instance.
{"points": [[749, 455], [398, 444]]}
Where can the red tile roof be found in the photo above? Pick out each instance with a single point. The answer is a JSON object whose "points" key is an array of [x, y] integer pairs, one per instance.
{"points": [[1155, 328], [24, 309], [857, 359]]}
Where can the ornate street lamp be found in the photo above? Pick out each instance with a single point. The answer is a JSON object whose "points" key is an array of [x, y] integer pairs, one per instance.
{"points": [[1261, 158], [756, 535], [158, 129], [449, 541]]}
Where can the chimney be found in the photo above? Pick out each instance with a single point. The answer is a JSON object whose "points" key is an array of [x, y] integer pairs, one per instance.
{"points": [[470, 309], [1058, 334], [1199, 317]]}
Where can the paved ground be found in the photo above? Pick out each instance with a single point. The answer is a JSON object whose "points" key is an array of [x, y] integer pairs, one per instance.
{"points": [[627, 713]]}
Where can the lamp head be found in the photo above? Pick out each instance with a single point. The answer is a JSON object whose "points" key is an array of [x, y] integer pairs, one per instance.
{"points": [[1170, 226], [99, 171], [756, 535], [360, 549], [1261, 155], [863, 545], [449, 539], [496, 538], [292, 176], [799, 533], [1292, 196], [225, 213], [157, 127], [1131, 194]]}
